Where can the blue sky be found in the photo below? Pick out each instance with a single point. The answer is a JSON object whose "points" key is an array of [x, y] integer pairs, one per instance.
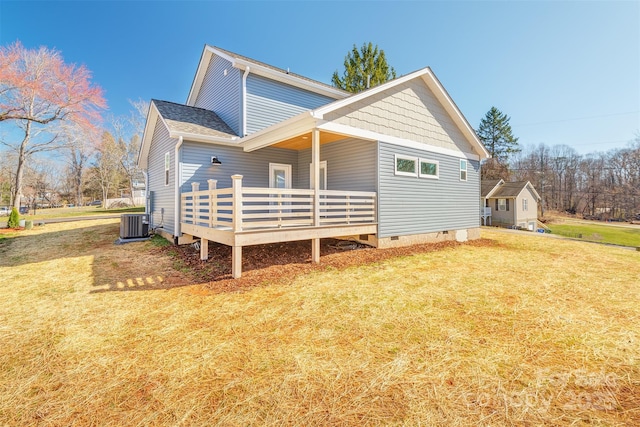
{"points": [[566, 72]]}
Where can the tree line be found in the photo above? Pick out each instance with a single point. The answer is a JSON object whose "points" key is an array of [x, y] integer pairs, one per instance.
{"points": [[56, 147], [602, 185]]}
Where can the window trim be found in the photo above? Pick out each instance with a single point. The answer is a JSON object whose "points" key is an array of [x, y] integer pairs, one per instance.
{"points": [[501, 205], [465, 170], [167, 167], [414, 159], [287, 168], [424, 175], [323, 174]]}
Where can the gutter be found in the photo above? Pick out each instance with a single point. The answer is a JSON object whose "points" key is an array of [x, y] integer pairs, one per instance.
{"points": [[176, 196], [244, 101]]}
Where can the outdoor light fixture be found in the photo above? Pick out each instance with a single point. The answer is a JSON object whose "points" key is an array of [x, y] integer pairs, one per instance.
{"points": [[215, 161]]}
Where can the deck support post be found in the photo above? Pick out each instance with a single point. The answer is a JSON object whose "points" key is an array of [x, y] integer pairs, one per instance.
{"points": [[236, 262], [204, 249], [315, 251], [315, 183]]}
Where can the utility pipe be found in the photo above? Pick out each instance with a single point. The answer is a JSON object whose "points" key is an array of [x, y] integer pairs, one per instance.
{"points": [[244, 101], [176, 206]]}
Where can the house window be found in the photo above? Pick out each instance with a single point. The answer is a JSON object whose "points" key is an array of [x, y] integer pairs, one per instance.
{"points": [[323, 175], [502, 204], [463, 170], [406, 165], [167, 164], [429, 168], [525, 204]]}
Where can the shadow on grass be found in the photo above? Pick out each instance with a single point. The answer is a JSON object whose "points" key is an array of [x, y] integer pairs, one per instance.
{"points": [[21, 248]]}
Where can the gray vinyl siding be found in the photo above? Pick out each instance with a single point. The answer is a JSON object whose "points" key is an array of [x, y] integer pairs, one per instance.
{"points": [[222, 94], [162, 203], [412, 205], [253, 166], [270, 102], [351, 165]]}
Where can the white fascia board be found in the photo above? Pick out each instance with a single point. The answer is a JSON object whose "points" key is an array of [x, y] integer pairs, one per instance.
{"points": [[290, 128], [458, 118], [320, 112], [196, 137], [289, 79], [494, 189], [147, 136], [205, 58], [533, 190], [402, 142]]}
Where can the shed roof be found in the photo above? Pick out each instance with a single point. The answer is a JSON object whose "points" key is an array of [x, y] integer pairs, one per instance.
{"points": [[192, 120]]}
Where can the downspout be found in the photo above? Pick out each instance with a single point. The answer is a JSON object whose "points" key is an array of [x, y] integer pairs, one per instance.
{"points": [[146, 197], [244, 101], [176, 196]]}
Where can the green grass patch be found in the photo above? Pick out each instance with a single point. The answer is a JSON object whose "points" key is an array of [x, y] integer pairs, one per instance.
{"points": [[79, 212], [625, 236]]}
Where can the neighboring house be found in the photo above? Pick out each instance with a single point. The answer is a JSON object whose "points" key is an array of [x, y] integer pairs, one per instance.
{"points": [[258, 155], [509, 204]]}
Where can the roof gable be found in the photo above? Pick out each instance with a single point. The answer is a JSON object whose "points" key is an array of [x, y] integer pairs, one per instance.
{"points": [[513, 189], [413, 107], [409, 111], [262, 69]]}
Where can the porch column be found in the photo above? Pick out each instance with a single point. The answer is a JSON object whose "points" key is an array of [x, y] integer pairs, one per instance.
{"points": [[315, 184], [236, 251], [237, 202]]}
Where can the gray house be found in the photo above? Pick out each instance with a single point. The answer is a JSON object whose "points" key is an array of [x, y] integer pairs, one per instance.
{"points": [[258, 155], [509, 204]]}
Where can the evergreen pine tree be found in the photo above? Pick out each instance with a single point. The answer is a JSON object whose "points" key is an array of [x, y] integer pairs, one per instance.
{"points": [[363, 69], [14, 219], [496, 135]]}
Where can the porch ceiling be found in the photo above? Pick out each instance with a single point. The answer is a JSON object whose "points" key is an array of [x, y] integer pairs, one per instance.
{"points": [[303, 141]]}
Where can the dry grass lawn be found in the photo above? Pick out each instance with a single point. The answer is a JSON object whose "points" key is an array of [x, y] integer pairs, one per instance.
{"points": [[519, 331]]}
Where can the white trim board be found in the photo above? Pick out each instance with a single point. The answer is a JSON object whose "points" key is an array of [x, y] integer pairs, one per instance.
{"points": [[394, 140]]}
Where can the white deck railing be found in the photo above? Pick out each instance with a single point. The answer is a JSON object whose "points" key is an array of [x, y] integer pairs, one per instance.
{"points": [[250, 208], [487, 211]]}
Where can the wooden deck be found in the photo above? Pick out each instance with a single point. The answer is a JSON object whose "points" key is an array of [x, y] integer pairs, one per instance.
{"points": [[240, 216]]}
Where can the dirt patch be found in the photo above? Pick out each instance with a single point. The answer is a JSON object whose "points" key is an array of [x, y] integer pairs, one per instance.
{"points": [[283, 262]]}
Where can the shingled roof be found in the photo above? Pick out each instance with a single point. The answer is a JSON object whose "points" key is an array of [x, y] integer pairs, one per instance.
{"points": [[506, 189], [487, 185], [185, 119]]}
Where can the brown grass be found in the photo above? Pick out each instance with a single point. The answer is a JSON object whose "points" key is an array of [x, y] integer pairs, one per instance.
{"points": [[517, 331]]}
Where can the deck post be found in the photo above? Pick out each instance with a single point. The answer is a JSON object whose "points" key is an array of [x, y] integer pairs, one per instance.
{"points": [[315, 181], [213, 202], [236, 262], [195, 186], [204, 249], [237, 203]]}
